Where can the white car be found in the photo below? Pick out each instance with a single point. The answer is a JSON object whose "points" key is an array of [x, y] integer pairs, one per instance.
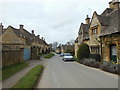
{"points": [[67, 57]]}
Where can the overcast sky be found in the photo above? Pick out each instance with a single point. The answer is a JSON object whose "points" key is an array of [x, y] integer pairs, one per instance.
{"points": [[55, 20]]}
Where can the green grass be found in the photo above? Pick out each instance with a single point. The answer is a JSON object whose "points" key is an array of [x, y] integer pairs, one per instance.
{"points": [[12, 69], [48, 56], [30, 79]]}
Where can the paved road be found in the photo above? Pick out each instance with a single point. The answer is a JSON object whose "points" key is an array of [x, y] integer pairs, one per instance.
{"points": [[8, 83], [60, 74]]}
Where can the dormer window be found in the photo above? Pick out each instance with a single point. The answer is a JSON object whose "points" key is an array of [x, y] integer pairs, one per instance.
{"points": [[94, 31]]}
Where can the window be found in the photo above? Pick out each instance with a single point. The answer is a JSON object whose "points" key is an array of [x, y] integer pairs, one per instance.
{"points": [[95, 49], [113, 53], [94, 31]]}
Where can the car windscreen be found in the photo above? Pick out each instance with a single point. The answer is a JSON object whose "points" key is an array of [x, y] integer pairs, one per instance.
{"points": [[67, 54]]}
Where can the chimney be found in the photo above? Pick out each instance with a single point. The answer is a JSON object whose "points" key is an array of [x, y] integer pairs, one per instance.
{"points": [[42, 38], [38, 36], [87, 20], [1, 28], [116, 5], [111, 5], [21, 27], [68, 43], [33, 32]]}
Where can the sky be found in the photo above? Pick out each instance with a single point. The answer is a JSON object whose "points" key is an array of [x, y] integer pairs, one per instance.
{"points": [[55, 20]]}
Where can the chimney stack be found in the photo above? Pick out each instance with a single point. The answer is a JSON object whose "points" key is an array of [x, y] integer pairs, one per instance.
{"points": [[87, 20], [33, 32], [114, 4], [38, 36], [21, 27], [42, 38], [1, 28]]}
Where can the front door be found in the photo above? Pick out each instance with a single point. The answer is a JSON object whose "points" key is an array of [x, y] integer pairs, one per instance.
{"points": [[27, 53], [113, 53]]}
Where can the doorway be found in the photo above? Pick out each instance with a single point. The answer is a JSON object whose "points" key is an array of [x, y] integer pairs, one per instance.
{"points": [[113, 53]]}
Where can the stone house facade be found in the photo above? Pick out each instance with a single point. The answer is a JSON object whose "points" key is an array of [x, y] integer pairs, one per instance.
{"points": [[20, 40], [67, 48], [83, 35], [104, 33]]}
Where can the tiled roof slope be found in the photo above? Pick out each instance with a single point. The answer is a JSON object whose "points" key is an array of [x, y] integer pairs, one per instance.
{"points": [[25, 34], [113, 20], [85, 28]]}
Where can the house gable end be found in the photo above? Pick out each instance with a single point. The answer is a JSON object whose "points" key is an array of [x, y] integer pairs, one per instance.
{"points": [[10, 37]]}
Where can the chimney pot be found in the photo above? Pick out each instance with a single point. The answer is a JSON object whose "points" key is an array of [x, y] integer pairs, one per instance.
{"points": [[87, 20], [42, 38], [21, 27], [32, 31], [1, 28], [38, 36]]}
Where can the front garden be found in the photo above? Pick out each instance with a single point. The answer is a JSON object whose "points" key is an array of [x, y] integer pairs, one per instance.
{"points": [[93, 60]]}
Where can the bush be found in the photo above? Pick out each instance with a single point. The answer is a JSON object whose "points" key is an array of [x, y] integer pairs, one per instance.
{"points": [[110, 67], [95, 56], [104, 66], [90, 62], [83, 51]]}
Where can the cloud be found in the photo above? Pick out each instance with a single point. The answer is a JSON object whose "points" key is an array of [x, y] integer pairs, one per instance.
{"points": [[56, 20]]}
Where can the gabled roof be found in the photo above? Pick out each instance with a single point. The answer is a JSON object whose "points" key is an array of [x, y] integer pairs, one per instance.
{"points": [[104, 21], [85, 28], [106, 11], [76, 40], [109, 21], [113, 24], [28, 36]]}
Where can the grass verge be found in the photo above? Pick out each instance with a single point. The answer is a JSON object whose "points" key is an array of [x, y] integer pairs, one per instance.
{"points": [[48, 56], [12, 69], [30, 79]]}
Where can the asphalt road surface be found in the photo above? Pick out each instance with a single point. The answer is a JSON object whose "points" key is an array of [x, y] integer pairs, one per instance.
{"points": [[60, 74]]}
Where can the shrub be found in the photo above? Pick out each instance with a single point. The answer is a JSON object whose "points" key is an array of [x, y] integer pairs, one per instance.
{"points": [[110, 67], [113, 68], [90, 62], [95, 56], [83, 51], [104, 66]]}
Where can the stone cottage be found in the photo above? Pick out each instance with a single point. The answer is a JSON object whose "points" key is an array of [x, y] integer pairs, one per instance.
{"points": [[83, 34], [21, 44], [110, 33], [104, 33]]}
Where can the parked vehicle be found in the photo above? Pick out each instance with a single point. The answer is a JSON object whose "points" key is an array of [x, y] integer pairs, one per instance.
{"points": [[68, 57], [62, 54]]}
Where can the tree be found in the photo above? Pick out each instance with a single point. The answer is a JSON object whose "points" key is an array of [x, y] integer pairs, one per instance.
{"points": [[83, 51], [54, 45]]}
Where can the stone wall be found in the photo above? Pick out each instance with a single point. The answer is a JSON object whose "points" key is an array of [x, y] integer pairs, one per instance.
{"points": [[11, 57], [106, 42], [76, 49]]}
